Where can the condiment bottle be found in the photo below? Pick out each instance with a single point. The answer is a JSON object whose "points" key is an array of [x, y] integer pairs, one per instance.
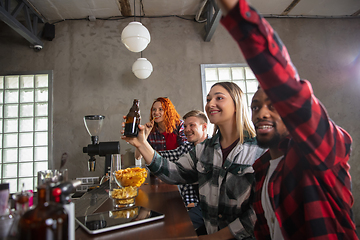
{"points": [[48, 220], [133, 120]]}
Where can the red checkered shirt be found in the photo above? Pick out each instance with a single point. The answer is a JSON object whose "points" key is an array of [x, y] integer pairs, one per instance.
{"points": [[310, 190], [158, 142]]}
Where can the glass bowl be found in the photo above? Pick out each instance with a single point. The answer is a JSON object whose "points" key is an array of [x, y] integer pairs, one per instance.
{"points": [[124, 197], [130, 177]]}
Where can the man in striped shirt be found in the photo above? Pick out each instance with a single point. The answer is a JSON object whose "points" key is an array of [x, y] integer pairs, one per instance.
{"points": [[303, 185]]}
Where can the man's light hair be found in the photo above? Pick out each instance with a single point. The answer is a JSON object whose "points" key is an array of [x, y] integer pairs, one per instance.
{"points": [[196, 113]]}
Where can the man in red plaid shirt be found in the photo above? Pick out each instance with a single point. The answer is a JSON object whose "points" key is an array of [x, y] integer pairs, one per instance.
{"points": [[303, 185]]}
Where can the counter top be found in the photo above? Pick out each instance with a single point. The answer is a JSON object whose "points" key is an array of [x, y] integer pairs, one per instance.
{"points": [[153, 194]]}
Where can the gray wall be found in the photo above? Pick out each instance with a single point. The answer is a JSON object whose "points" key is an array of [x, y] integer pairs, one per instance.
{"points": [[92, 75]]}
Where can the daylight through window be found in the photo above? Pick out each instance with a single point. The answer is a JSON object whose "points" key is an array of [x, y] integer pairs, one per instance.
{"points": [[25, 128]]}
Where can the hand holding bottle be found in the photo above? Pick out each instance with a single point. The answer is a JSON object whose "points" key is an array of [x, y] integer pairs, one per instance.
{"points": [[148, 126], [141, 143], [135, 141], [134, 133]]}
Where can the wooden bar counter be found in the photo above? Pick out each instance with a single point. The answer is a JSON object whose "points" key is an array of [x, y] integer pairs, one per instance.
{"points": [[155, 195]]}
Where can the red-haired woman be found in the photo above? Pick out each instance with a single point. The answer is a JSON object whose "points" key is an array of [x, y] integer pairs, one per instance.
{"points": [[167, 132]]}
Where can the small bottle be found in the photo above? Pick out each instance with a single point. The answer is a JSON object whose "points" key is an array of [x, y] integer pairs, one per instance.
{"points": [[133, 120], [48, 220]]}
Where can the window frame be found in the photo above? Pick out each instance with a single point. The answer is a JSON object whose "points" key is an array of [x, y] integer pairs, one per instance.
{"points": [[221, 65], [49, 130]]}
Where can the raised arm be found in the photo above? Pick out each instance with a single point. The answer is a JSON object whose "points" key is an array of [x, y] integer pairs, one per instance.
{"points": [[181, 138], [303, 114], [142, 145], [181, 172], [148, 126], [175, 154]]}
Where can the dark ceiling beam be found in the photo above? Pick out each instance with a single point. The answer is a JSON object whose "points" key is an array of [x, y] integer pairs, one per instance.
{"points": [[125, 8], [29, 32], [213, 18], [17, 9], [290, 7]]}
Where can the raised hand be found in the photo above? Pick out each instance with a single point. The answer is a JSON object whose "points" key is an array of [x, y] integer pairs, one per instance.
{"points": [[226, 5], [148, 127]]}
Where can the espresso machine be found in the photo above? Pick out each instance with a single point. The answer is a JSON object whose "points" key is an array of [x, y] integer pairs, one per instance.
{"points": [[93, 124]]}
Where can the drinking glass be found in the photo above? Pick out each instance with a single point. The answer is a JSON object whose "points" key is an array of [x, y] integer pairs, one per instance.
{"points": [[122, 197], [115, 165]]}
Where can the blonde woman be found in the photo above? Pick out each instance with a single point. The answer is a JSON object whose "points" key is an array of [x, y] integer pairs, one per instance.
{"points": [[222, 165]]}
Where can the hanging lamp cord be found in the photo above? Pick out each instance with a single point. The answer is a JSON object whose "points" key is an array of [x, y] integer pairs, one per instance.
{"points": [[140, 22], [140, 9]]}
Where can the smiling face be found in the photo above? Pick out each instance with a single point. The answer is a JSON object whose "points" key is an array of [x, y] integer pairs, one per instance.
{"points": [[220, 107], [157, 112], [270, 128], [195, 130]]}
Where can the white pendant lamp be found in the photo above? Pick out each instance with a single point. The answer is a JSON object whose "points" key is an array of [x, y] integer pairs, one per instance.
{"points": [[142, 68], [135, 37]]}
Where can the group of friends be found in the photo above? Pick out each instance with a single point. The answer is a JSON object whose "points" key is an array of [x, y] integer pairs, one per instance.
{"points": [[283, 175]]}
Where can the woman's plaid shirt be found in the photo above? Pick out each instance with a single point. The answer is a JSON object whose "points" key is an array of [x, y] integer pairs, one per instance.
{"points": [[157, 139], [189, 192], [310, 190], [225, 189]]}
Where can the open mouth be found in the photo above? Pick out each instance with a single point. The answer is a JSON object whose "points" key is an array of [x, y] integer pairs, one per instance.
{"points": [[212, 112], [263, 128], [188, 135]]}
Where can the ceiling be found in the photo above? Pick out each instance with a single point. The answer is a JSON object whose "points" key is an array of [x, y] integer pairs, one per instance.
{"points": [[55, 10], [15, 12]]}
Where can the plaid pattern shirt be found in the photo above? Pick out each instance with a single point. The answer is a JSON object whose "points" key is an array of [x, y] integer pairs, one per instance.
{"points": [[310, 190], [189, 192], [157, 139], [225, 189]]}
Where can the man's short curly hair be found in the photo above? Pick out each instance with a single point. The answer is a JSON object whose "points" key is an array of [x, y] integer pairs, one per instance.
{"points": [[171, 116]]}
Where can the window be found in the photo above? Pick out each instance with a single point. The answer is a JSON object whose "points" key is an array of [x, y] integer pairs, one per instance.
{"points": [[240, 74], [25, 128]]}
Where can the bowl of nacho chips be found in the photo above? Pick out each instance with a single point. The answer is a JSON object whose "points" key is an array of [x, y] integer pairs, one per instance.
{"points": [[124, 197], [130, 177]]}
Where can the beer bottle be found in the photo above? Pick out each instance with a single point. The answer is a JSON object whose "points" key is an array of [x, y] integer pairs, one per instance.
{"points": [[48, 220], [133, 120]]}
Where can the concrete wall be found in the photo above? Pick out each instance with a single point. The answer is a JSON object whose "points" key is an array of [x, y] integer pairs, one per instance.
{"points": [[92, 75]]}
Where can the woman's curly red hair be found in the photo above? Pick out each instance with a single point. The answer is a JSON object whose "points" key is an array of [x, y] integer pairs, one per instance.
{"points": [[171, 116]]}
